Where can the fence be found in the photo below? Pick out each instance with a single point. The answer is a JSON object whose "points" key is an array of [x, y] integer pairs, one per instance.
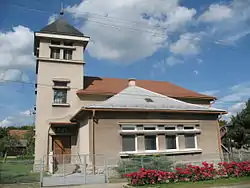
{"points": [[89, 169], [75, 170], [169, 163]]}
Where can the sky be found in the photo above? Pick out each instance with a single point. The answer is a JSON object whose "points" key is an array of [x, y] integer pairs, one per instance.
{"points": [[200, 45]]}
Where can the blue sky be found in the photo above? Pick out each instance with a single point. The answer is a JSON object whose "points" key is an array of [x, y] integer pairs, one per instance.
{"points": [[200, 45]]}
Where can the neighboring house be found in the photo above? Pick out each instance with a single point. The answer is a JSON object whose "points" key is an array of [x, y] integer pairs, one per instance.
{"points": [[78, 114], [20, 146]]}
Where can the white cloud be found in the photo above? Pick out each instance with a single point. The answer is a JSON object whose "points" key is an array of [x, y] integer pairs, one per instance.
{"points": [[13, 75], [216, 12], [171, 61], [233, 99], [229, 22], [16, 47], [128, 31], [26, 113], [188, 44], [52, 18], [23, 118], [196, 72], [210, 92], [234, 109]]}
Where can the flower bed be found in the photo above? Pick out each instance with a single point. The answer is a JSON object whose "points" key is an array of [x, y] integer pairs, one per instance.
{"points": [[190, 173]]}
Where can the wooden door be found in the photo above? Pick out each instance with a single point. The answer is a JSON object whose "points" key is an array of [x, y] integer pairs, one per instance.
{"points": [[62, 149]]}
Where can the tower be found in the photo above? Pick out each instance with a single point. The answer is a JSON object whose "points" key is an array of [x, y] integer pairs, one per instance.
{"points": [[59, 49]]}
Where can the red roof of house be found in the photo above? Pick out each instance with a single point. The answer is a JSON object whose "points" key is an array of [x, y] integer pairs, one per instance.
{"points": [[112, 86], [18, 133]]}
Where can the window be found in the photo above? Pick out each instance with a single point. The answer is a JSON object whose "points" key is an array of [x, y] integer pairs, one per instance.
{"points": [[170, 142], [128, 128], [148, 100], [150, 142], [128, 143], [169, 128], [60, 96], [189, 141], [55, 53], [68, 43], [60, 91], [55, 42], [67, 54], [60, 83], [188, 128], [149, 128]]}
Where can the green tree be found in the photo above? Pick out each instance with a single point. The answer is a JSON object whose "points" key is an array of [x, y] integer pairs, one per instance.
{"points": [[240, 130], [29, 136], [6, 140]]}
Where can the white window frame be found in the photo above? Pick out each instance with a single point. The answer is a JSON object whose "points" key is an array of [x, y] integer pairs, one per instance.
{"points": [[176, 142], [195, 143], [136, 148], [177, 132], [156, 142]]}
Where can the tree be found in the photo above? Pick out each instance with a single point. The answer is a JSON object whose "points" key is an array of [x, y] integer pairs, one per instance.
{"points": [[6, 140], [222, 122], [29, 136], [240, 130]]}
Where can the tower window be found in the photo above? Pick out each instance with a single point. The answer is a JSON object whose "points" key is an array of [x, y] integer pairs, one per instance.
{"points": [[55, 42], [55, 53], [60, 92], [67, 54], [60, 96]]}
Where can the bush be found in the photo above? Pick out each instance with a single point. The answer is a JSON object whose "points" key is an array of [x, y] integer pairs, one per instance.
{"points": [[135, 163], [189, 173]]}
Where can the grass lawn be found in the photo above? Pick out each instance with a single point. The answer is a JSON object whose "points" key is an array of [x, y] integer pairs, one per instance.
{"points": [[18, 172], [213, 183]]}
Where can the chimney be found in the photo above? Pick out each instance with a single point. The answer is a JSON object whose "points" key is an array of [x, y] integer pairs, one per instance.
{"points": [[131, 82]]}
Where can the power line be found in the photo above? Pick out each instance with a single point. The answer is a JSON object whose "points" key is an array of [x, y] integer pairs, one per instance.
{"points": [[119, 26]]}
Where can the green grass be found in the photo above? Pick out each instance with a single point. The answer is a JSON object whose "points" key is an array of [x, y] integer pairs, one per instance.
{"points": [[206, 184], [18, 172]]}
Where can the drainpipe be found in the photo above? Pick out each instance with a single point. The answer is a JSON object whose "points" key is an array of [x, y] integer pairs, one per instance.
{"points": [[212, 102], [93, 140], [219, 136], [47, 154]]}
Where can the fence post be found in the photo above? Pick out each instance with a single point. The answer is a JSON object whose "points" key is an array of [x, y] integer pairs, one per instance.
{"points": [[41, 172], [85, 168], [142, 165], [105, 171]]}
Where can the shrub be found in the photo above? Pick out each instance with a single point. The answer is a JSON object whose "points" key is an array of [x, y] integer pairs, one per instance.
{"points": [[189, 173], [135, 163]]}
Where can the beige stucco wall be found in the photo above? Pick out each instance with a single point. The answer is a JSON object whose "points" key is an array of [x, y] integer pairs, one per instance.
{"points": [[108, 140], [48, 70]]}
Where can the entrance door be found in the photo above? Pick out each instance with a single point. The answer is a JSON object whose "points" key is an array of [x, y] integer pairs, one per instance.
{"points": [[62, 149]]}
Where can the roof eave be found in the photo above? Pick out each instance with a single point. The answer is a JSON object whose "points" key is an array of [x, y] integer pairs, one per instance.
{"points": [[81, 92]]}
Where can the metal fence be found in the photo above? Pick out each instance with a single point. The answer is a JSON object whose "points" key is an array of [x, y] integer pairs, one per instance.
{"points": [[169, 163], [59, 170], [75, 170]]}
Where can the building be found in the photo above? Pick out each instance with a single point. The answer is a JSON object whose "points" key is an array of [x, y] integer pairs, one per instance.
{"points": [[78, 114]]}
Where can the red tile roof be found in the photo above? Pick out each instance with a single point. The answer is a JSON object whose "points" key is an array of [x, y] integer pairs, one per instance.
{"points": [[111, 86], [18, 133]]}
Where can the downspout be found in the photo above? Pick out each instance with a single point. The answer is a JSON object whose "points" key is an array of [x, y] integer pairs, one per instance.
{"points": [[93, 140], [219, 136], [47, 154]]}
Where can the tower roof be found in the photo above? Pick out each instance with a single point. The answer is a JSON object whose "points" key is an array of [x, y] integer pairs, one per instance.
{"points": [[61, 27]]}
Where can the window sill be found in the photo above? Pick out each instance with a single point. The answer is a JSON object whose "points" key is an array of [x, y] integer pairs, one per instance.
{"points": [[62, 46], [173, 132], [60, 60], [168, 152], [60, 105]]}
